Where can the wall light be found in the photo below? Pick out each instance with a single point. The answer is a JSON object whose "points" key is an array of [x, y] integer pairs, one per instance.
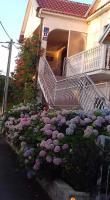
{"points": [[72, 198]]}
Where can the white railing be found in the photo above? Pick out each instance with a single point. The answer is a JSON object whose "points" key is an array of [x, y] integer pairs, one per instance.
{"points": [[105, 88], [94, 59], [76, 92]]}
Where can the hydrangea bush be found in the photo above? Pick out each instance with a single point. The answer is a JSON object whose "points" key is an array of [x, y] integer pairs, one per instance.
{"points": [[59, 144]]}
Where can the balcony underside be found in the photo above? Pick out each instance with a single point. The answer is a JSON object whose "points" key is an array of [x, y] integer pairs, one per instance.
{"points": [[100, 75]]}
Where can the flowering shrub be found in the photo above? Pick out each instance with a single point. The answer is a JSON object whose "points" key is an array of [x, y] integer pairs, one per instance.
{"points": [[59, 144]]}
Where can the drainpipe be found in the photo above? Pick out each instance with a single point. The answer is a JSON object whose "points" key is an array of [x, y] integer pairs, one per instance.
{"points": [[38, 11]]}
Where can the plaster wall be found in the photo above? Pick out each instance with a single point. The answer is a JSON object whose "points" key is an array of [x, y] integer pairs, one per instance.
{"points": [[63, 23], [96, 29], [32, 23]]}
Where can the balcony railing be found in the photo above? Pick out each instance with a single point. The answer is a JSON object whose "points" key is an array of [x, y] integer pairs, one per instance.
{"points": [[94, 59]]}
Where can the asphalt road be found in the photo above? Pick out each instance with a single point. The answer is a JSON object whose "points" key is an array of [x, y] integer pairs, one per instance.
{"points": [[13, 182]]}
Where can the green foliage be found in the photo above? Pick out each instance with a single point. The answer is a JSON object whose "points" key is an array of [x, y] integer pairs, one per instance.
{"points": [[24, 87]]}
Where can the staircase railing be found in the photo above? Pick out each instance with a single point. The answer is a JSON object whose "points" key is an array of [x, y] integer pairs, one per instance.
{"points": [[94, 59], [76, 91]]}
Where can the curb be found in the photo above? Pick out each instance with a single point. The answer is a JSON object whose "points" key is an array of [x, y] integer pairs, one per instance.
{"points": [[59, 190]]}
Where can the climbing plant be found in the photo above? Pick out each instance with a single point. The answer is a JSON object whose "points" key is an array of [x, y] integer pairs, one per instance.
{"points": [[26, 69]]}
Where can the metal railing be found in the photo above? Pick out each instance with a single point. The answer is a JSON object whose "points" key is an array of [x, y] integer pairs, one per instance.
{"points": [[72, 92], [94, 59]]}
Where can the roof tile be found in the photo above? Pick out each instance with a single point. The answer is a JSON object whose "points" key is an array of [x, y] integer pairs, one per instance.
{"points": [[64, 7]]}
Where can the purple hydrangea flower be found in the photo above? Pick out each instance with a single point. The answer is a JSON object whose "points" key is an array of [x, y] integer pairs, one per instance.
{"points": [[49, 159], [54, 134], [107, 118], [34, 117], [53, 120], [72, 126], [57, 149], [55, 142], [87, 120], [28, 153], [68, 122], [48, 132], [30, 174], [69, 131], [47, 127], [75, 120], [57, 161], [60, 136], [42, 153], [95, 132], [88, 131], [49, 141], [37, 165], [65, 146], [42, 144], [101, 119], [49, 146], [46, 120], [82, 122], [59, 117], [108, 128], [44, 113], [97, 123], [63, 120]]}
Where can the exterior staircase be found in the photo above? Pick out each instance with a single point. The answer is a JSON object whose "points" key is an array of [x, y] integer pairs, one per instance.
{"points": [[73, 92]]}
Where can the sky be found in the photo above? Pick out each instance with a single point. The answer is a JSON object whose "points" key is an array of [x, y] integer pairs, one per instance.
{"points": [[11, 15]]}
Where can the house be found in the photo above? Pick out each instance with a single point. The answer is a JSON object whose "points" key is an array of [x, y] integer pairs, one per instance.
{"points": [[75, 68]]}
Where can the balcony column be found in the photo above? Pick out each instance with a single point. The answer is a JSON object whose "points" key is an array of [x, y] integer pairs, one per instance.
{"points": [[108, 57], [103, 56], [68, 43]]}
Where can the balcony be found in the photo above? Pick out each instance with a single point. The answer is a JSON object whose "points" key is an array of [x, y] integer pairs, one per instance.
{"points": [[95, 62]]}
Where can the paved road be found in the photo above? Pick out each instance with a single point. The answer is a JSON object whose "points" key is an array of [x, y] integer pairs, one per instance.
{"points": [[13, 183]]}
